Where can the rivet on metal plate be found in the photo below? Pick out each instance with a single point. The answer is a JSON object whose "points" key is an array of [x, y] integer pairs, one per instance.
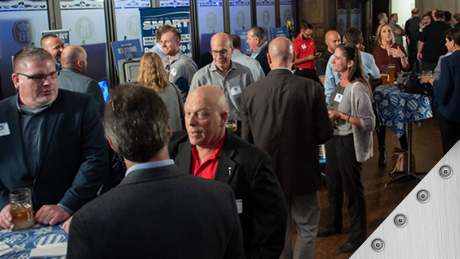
{"points": [[423, 196], [377, 244], [445, 171], [400, 220]]}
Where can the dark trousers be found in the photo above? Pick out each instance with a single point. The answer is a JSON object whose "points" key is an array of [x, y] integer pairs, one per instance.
{"points": [[308, 73], [413, 61], [343, 174], [381, 135], [450, 132]]}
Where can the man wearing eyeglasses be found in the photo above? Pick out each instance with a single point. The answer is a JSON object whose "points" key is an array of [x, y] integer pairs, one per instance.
{"points": [[230, 77], [179, 66], [51, 141]]}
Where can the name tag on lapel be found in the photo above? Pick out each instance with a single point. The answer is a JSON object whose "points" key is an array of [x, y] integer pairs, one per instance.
{"points": [[338, 98], [234, 90], [239, 206], [173, 71], [4, 129]]}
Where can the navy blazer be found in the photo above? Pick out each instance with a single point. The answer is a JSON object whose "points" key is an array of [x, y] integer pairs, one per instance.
{"points": [[263, 59], [159, 213], [73, 153], [247, 169]]}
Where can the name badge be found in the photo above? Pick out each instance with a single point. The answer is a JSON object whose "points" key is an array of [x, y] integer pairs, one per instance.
{"points": [[303, 46], [239, 206], [173, 71], [235, 90], [4, 129], [338, 97]]}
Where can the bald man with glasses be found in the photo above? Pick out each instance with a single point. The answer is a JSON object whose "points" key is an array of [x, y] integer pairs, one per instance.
{"points": [[51, 140]]}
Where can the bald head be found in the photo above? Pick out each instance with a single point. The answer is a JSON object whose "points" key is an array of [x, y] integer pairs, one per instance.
{"points": [[54, 45], [74, 57], [332, 40], [280, 53], [206, 112]]}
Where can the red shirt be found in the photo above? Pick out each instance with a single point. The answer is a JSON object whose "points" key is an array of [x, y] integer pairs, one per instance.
{"points": [[207, 169], [304, 48]]}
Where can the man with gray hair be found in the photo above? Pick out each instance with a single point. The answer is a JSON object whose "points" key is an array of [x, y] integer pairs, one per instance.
{"points": [[230, 77], [286, 116], [74, 65], [171, 214], [257, 41]]}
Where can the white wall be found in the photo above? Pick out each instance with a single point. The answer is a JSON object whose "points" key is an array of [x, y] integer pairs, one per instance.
{"points": [[403, 8]]}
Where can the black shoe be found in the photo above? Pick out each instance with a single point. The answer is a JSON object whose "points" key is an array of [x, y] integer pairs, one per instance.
{"points": [[348, 248], [383, 156], [325, 232]]}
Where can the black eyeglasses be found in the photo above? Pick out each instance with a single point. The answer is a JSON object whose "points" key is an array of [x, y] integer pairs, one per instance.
{"points": [[41, 77], [221, 52]]}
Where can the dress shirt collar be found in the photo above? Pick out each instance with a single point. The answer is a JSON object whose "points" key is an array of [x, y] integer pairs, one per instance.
{"points": [[149, 165], [30, 110], [256, 53]]}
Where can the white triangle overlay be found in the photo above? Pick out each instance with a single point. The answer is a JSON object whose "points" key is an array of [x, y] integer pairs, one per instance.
{"points": [[432, 228]]}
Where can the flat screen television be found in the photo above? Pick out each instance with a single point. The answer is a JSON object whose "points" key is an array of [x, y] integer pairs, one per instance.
{"points": [[104, 89]]}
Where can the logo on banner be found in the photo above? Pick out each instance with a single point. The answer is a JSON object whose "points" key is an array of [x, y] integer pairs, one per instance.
{"points": [[240, 19], [23, 32], [266, 17], [84, 28], [134, 25], [211, 21]]}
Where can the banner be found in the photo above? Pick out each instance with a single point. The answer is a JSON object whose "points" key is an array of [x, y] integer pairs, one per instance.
{"points": [[244, 36], [280, 32], [126, 49], [62, 34], [154, 18]]}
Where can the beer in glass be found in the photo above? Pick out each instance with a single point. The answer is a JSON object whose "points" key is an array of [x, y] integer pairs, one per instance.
{"points": [[21, 209]]}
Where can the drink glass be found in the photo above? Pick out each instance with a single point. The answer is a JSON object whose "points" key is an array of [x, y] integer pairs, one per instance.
{"points": [[384, 80], [426, 73], [22, 212], [391, 74], [231, 121]]}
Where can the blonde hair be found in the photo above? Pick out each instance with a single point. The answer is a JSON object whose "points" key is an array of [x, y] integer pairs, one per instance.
{"points": [[152, 73], [378, 39]]}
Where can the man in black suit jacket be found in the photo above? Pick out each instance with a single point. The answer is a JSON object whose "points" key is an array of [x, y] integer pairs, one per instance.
{"points": [[51, 140], [210, 152], [156, 211], [257, 41], [286, 116]]}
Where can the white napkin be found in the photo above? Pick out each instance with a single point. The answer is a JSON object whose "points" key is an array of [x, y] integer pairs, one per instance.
{"points": [[5, 249], [51, 250]]}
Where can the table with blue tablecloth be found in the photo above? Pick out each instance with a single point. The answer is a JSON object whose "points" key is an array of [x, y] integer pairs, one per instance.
{"points": [[22, 242], [400, 109]]}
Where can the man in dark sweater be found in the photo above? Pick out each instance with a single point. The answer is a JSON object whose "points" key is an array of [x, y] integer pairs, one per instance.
{"points": [[412, 28], [332, 40], [431, 42]]}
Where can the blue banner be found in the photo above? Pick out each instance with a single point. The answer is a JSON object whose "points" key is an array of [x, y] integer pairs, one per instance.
{"points": [[244, 36], [280, 32], [63, 34], [154, 18], [127, 49]]}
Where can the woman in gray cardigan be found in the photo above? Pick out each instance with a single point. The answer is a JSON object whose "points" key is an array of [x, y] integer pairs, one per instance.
{"points": [[350, 111]]}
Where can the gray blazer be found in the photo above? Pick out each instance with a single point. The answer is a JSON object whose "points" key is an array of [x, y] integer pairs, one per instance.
{"points": [[70, 79]]}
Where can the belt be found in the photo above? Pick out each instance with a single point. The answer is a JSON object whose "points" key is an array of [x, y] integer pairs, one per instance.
{"points": [[304, 68]]}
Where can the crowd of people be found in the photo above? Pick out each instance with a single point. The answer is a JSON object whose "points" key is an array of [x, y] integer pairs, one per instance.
{"points": [[193, 188]]}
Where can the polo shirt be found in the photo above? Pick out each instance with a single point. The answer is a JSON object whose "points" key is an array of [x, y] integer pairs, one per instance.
{"points": [[304, 48], [252, 64], [394, 27], [321, 63], [181, 66], [433, 37], [207, 169], [232, 84]]}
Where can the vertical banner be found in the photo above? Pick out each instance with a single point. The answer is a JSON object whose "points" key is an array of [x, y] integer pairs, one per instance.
{"points": [[154, 18], [244, 36], [126, 49], [63, 34], [280, 32]]}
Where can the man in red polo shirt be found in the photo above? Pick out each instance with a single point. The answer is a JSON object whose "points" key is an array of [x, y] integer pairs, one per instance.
{"points": [[305, 53], [207, 150]]}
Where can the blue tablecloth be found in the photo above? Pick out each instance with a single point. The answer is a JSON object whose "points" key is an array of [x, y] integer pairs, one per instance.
{"points": [[22, 242], [398, 109]]}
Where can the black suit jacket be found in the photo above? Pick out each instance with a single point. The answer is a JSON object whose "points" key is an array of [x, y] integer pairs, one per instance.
{"points": [[286, 116], [263, 59], [159, 213], [73, 153], [252, 180]]}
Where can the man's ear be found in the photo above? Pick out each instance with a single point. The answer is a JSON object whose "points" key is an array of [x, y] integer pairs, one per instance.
{"points": [[269, 58], [223, 118], [111, 144], [170, 131]]}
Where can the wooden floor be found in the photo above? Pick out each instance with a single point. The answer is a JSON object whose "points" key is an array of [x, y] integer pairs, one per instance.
{"points": [[382, 201]]}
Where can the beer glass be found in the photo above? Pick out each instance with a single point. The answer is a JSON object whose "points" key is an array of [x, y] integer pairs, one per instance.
{"points": [[22, 212], [391, 74], [231, 121], [384, 71]]}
